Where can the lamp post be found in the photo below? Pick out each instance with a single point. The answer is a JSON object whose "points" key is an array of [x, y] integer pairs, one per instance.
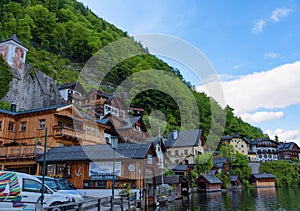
{"points": [[114, 145]]}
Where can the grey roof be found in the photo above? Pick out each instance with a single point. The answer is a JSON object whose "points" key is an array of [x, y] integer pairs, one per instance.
{"points": [[286, 146], [172, 179], [33, 110], [212, 179], [185, 138], [178, 168], [130, 123], [261, 176], [96, 152], [219, 160], [15, 39], [233, 178], [262, 139], [229, 138]]}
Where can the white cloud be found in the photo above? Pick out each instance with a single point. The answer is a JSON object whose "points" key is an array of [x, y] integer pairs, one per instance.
{"points": [[261, 116], [258, 26], [237, 66], [280, 13], [285, 135], [272, 55], [272, 89]]}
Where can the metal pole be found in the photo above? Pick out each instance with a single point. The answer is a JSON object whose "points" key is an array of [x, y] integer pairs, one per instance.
{"points": [[44, 166], [113, 179]]}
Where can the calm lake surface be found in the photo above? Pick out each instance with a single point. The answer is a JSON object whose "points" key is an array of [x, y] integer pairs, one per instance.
{"points": [[280, 199]]}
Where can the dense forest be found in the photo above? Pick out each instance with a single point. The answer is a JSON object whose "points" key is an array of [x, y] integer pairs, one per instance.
{"points": [[62, 35]]}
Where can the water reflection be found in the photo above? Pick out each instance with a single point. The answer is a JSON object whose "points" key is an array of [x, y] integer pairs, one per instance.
{"points": [[261, 199]]}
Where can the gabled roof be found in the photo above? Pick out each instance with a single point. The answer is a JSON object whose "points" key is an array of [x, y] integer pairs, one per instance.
{"points": [[262, 176], [233, 178], [97, 152], [157, 141], [287, 146], [219, 160], [186, 138], [54, 107], [74, 86], [178, 168], [262, 139], [212, 179], [229, 138], [15, 39]]}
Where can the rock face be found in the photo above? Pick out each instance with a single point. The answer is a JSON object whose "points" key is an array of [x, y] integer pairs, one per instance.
{"points": [[30, 91]]}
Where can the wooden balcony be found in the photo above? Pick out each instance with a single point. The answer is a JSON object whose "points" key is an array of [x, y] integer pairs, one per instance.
{"points": [[21, 151], [67, 133]]}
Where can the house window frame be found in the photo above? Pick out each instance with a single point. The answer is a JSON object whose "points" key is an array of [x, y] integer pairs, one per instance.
{"points": [[1, 124], [23, 126], [11, 126], [42, 124]]}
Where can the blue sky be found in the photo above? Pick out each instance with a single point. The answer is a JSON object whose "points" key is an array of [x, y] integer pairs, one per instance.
{"points": [[254, 47]]}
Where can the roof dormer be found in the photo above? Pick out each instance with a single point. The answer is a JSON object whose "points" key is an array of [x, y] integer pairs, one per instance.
{"points": [[14, 52]]}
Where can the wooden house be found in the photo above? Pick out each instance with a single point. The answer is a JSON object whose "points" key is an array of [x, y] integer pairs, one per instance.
{"points": [[288, 151], [235, 182], [263, 180], [91, 166], [22, 134], [183, 146], [208, 183], [221, 164]]}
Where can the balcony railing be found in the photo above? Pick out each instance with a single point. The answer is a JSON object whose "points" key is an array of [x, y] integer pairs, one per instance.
{"points": [[65, 132], [21, 151]]}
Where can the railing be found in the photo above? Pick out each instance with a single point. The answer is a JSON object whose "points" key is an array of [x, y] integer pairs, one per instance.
{"points": [[21, 151], [104, 203], [65, 132]]}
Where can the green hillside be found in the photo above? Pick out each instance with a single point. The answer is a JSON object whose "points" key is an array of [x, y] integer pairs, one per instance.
{"points": [[62, 35]]}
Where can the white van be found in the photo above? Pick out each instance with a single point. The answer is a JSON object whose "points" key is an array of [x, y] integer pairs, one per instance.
{"points": [[19, 191], [60, 187]]}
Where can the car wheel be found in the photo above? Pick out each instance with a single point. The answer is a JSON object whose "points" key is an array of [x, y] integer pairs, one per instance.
{"points": [[57, 208]]}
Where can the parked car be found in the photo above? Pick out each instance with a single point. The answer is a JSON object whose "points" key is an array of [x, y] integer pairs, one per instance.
{"points": [[67, 183], [58, 186], [20, 191]]}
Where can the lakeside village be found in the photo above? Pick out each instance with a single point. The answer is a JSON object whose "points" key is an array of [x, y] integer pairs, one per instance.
{"points": [[83, 127]]}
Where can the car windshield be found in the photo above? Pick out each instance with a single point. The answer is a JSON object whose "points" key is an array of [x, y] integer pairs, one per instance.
{"points": [[55, 184]]}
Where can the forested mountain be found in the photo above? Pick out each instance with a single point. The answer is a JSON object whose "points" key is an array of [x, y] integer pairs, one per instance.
{"points": [[62, 35]]}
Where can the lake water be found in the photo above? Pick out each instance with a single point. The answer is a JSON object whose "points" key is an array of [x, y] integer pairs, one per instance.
{"points": [[280, 199]]}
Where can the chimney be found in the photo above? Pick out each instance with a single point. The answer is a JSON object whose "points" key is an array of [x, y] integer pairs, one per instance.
{"points": [[13, 107]]}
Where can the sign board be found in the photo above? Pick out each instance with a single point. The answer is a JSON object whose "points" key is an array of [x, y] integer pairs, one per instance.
{"points": [[104, 168], [104, 177]]}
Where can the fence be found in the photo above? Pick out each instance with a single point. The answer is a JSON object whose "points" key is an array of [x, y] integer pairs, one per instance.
{"points": [[97, 204]]}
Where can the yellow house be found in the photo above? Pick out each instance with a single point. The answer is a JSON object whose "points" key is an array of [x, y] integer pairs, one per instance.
{"points": [[239, 143]]}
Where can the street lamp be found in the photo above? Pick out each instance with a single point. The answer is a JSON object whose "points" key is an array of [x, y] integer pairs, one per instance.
{"points": [[114, 145]]}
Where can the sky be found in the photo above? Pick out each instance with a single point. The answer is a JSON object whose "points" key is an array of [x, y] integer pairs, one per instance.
{"points": [[254, 47]]}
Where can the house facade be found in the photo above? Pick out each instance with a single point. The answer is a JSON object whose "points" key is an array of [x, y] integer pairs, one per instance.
{"points": [[262, 180], [239, 143], [263, 150], [183, 146], [288, 151], [22, 134]]}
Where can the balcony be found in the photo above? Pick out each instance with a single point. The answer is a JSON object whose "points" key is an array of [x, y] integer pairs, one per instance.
{"points": [[21, 151], [67, 133]]}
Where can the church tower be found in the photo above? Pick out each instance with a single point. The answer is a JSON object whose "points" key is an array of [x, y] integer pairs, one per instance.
{"points": [[14, 52]]}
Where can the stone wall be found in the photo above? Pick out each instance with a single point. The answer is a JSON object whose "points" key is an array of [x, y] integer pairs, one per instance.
{"points": [[32, 91]]}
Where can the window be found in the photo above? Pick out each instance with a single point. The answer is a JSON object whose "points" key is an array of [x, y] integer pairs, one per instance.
{"points": [[176, 152], [149, 160], [186, 152], [11, 126], [42, 124], [33, 186], [23, 126], [0, 125], [88, 129]]}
